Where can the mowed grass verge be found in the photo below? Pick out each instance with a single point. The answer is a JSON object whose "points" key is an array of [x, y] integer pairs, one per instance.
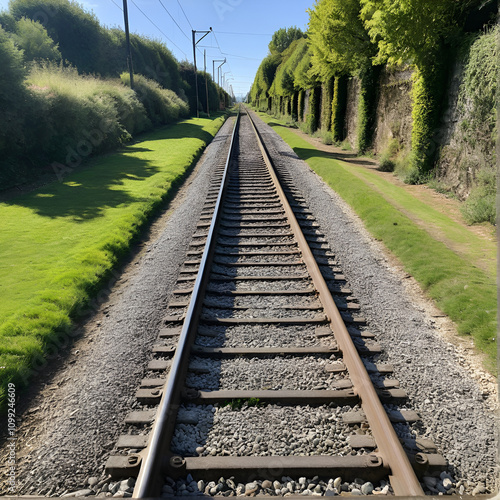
{"points": [[59, 243], [464, 292]]}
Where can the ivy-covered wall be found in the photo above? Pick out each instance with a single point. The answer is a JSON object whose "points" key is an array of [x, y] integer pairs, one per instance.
{"points": [[393, 110], [351, 116], [467, 134]]}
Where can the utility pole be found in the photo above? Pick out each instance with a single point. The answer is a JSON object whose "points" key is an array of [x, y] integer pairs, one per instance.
{"points": [[127, 39], [218, 68], [194, 57], [213, 68], [218, 82]]}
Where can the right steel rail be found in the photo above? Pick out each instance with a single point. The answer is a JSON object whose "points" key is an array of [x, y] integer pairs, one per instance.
{"points": [[403, 479]]}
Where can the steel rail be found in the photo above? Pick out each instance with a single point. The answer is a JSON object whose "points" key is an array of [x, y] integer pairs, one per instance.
{"points": [[147, 484], [403, 480]]}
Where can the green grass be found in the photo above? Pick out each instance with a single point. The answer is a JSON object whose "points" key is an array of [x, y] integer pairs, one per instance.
{"points": [[464, 292], [455, 236], [60, 242]]}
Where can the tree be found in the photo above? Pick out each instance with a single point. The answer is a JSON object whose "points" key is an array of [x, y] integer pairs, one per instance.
{"points": [[284, 83], [78, 33], [412, 31], [13, 96], [341, 46], [7, 21], [33, 38], [282, 39], [264, 77], [339, 42], [13, 71]]}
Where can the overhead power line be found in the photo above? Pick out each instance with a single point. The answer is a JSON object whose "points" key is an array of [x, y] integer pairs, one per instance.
{"points": [[217, 42], [172, 17], [117, 5], [250, 34], [147, 17], [190, 25], [241, 57], [220, 50]]}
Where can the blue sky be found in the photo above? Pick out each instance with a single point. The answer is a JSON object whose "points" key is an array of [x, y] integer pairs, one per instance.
{"points": [[243, 28]]}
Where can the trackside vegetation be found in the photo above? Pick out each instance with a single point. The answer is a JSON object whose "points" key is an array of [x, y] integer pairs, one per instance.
{"points": [[64, 90], [357, 39], [466, 293], [73, 233]]}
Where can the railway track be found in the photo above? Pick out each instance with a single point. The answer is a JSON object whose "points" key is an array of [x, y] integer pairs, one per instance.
{"points": [[264, 378]]}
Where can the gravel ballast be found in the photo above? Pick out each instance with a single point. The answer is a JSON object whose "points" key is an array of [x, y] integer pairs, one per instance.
{"points": [[263, 336], [265, 431], [277, 373]]}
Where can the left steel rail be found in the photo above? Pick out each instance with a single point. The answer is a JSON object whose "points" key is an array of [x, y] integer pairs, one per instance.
{"points": [[149, 483]]}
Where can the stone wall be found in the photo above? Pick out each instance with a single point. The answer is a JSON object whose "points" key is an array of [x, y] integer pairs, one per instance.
{"points": [[464, 152], [393, 110]]}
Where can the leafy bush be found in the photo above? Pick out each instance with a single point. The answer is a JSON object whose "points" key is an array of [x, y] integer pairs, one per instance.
{"points": [[427, 93], [327, 137], [33, 39], [326, 104], [386, 162], [162, 105], [71, 117], [477, 102], [79, 106], [480, 206], [300, 105], [345, 145], [407, 170]]}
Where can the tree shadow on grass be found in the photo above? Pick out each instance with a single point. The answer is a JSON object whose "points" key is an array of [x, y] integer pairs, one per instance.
{"points": [[179, 131], [348, 157], [87, 193]]}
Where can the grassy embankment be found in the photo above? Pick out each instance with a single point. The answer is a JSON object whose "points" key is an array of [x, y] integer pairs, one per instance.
{"points": [[60, 242], [465, 292]]}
